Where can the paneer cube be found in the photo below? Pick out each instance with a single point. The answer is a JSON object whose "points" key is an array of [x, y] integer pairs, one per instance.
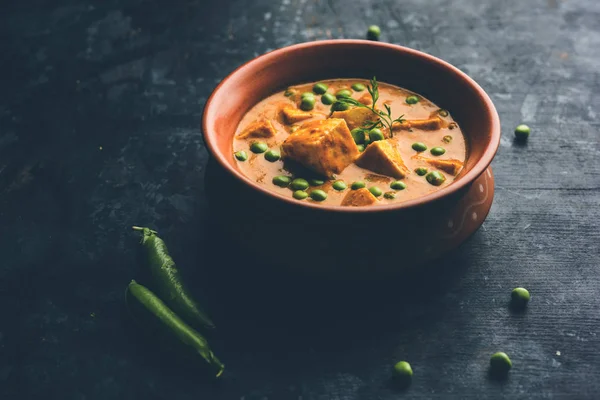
{"points": [[355, 117], [450, 166], [431, 124], [359, 198], [383, 158], [262, 128], [292, 115], [324, 146]]}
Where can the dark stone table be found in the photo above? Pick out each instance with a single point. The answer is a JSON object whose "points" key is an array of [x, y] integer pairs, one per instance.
{"points": [[100, 104]]}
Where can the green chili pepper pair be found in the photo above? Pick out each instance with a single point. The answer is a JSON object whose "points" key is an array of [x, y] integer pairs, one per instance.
{"points": [[171, 289]]}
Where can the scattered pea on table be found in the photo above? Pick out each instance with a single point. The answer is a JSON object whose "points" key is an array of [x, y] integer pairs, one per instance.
{"points": [[419, 146], [358, 185], [373, 32], [375, 191], [320, 88], [447, 139], [436, 178], [307, 95], [258, 147], [318, 195], [299, 184], [389, 195], [412, 100], [339, 185], [443, 113], [519, 297], [403, 371], [500, 364], [328, 99], [522, 132], [282, 181], [316, 182], [241, 155], [397, 185], [438, 151], [272, 155]]}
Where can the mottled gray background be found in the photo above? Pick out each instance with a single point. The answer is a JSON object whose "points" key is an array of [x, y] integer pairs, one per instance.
{"points": [[100, 104]]}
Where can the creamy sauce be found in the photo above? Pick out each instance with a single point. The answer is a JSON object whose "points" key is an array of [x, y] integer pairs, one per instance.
{"points": [[262, 171]]}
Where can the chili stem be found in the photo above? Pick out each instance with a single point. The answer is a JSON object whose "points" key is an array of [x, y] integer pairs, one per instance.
{"points": [[139, 228]]}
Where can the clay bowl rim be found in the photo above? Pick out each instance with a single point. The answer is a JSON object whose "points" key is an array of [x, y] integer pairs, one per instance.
{"points": [[470, 176]]}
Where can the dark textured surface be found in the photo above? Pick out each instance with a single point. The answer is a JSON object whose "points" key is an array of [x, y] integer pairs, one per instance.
{"points": [[99, 113]]}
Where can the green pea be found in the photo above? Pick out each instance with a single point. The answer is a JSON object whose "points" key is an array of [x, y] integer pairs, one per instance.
{"points": [[403, 370], [443, 112], [300, 195], [307, 103], [344, 93], [339, 185], [436, 178], [358, 135], [272, 155], [519, 298], [282, 181], [258, 147], [288, 93], [327, 99], [419, 146], [522, 132], [375, 191], [241, 155], [389, 195], [373, 32], [438, 151], [316, 182], [339, 106], [397, 185], [318, 195], [299, 184], [358, 87], [421, 171], [375, 134], [500, 364], [358, 185], [361, 147], [307, 94], [447, 139], [320, 88], [412, 100]]}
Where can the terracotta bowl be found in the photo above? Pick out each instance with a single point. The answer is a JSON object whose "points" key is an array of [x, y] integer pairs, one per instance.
{"points": [[359, 241]]}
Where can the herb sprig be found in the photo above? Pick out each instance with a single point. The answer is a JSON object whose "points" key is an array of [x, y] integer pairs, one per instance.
{"points": [[384, 118]]}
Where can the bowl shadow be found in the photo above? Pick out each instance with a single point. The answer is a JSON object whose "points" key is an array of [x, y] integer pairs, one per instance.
{"points": [[264, 300]]}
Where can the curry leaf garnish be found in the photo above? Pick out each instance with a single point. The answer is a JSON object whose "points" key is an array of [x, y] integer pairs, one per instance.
{"points": [[384, 117]]}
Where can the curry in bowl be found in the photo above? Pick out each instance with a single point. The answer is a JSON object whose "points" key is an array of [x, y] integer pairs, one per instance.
{"points": [[349, 142]]}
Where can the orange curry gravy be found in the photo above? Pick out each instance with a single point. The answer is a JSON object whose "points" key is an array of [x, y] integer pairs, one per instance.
{"points": [[443, 132]]}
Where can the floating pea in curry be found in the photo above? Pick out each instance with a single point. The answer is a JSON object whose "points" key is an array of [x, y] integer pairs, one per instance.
{"points": [[350, 138]]}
